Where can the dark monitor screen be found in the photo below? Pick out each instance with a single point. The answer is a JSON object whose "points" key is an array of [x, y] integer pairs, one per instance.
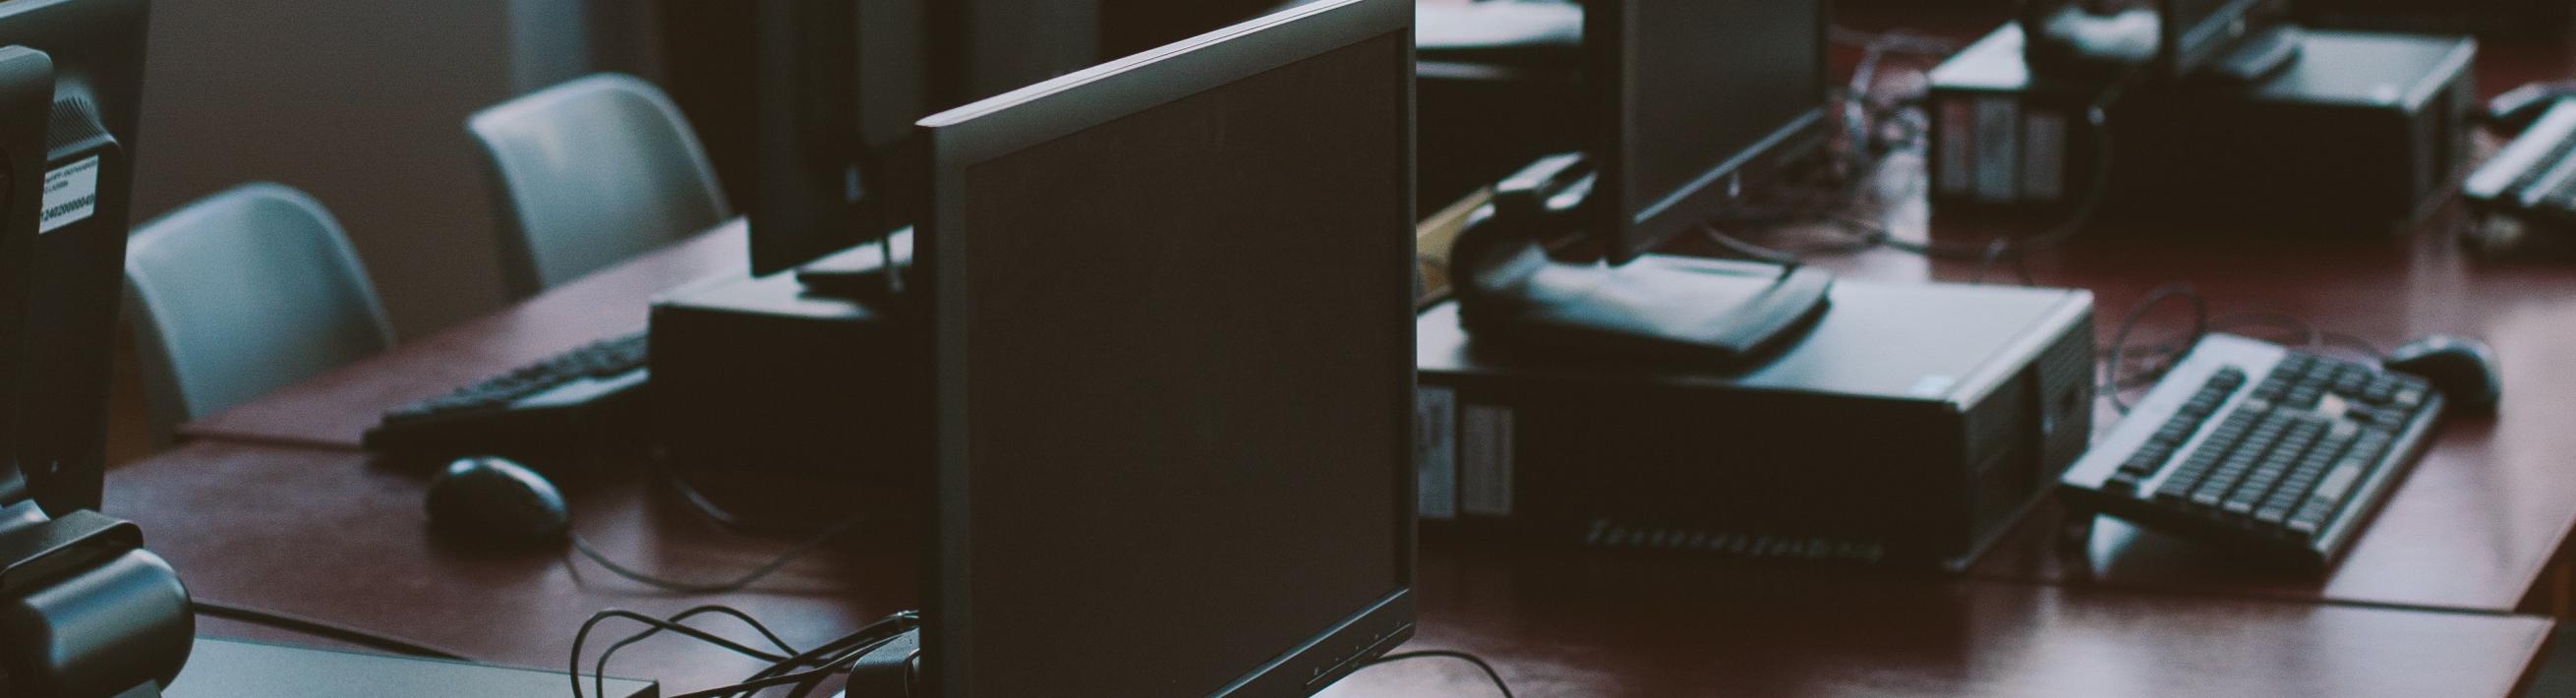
{"points": [[1174, 348], [1697, 92]]}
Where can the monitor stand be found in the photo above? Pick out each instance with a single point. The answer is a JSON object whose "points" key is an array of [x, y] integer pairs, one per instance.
{"points": [[860, 272], [2259, 56], [1657, 306]]}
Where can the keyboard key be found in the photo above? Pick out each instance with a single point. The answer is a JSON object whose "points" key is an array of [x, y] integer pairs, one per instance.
{"points": [[2141, 463], [2175, 490], [2331, 490], [2227, 379]]}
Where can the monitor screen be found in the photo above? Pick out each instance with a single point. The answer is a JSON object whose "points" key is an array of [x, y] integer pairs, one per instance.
{"points": [[1698, 89], [1175, 355]]}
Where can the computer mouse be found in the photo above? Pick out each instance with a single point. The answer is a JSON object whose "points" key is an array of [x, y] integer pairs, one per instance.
{"points": [[494, 501], [2464, 369]]}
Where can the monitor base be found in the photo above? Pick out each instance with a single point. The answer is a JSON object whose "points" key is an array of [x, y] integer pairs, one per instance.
{"points": [[1705, 311], [860, 272]]}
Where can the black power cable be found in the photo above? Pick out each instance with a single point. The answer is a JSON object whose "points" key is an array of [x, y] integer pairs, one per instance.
{"points": [[599, 669], [817, 541], [2137, 313], [321, 629], [1490, 673]]}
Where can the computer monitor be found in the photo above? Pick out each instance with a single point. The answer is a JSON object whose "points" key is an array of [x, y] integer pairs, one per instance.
{"points": [[62, 268], [988, 47], [1174, 364], [836, 85], [1700, 102]]}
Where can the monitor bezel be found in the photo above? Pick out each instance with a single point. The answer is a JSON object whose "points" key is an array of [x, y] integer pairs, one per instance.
{"points": [[1625, 228], [964, 137]]}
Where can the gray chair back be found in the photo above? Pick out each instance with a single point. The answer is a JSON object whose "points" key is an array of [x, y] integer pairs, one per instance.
{"points": [[589, 173], [242, 293]]}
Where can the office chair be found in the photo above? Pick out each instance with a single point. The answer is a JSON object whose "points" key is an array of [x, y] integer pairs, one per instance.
{"points": [[241, 293], [589, 173]]}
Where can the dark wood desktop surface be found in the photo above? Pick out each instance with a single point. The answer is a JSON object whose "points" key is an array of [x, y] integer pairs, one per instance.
{"points": [[2482, 524], [322, 533], [335, 409], [2479, 524]]}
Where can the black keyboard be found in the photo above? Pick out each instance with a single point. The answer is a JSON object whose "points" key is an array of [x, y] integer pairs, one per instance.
{"points": [[2249, 444], [571, 400], [2534, 177]]}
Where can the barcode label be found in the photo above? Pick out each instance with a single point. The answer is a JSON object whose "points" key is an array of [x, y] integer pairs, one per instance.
{"points": [[1435, 452], [1485, 460], [71, 195], [1998, 149], [1957, 170], [2043, 156]]}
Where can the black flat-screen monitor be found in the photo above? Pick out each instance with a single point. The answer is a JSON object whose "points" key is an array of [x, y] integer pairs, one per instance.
{"points": [[837, 85], [62, 242], [1174, 357], [1699, 101]]}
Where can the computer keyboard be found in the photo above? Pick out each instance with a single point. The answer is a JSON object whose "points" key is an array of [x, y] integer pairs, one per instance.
{"points": [[2250, 444], [591, 392], [2534, 177]]}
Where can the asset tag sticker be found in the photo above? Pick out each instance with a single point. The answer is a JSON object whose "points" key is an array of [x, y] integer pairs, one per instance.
{"points": [[71, 194]]}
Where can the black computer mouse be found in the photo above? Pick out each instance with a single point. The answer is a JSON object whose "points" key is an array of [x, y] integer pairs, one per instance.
{"points": [[493, 501], [2463, 369]]}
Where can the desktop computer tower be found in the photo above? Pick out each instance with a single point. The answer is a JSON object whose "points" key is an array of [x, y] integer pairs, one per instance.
{"points": [[786, 406], [2365, 133], [1910, 428]]}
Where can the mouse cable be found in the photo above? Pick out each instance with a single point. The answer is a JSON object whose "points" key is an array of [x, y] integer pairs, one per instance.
{"points": [[599, 668], [820, 539], [2138, 313], [2161, 357], [1490, 673], [321, 629], [706, 506]]}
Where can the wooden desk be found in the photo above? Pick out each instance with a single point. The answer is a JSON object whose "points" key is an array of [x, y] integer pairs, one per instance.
{"points": [[2481, 521], [2481, 526], [334, 410], [321, 533]]}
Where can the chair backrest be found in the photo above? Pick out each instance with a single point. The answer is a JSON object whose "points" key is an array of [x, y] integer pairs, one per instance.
{"points": [[589, 173], [241, 293]]}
